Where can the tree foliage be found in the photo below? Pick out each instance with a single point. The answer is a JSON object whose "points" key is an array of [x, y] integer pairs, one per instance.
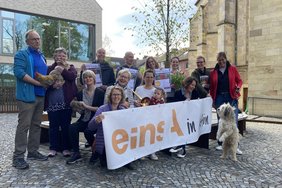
{"points": [[70, 37], [107, 45], [162, 25]]}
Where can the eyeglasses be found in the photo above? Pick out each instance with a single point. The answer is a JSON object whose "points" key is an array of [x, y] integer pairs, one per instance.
{"points": [[125, 77], [35, 39], [116, 94]]}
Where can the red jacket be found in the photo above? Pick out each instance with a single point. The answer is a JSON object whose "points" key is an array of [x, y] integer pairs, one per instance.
{"points": [[234, 81]]}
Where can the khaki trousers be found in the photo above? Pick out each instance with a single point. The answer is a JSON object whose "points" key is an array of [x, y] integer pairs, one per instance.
{"points": [[28, 129]]}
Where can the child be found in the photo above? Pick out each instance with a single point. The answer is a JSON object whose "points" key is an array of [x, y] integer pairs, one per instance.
{"points": [[158, 97], [55, 105]]}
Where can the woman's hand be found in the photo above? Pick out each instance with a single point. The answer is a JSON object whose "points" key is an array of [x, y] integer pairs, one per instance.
{"points": [[137, 103], [83, 105], [99, 118], [126, 104]]}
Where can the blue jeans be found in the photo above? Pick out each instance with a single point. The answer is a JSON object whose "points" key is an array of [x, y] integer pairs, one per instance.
{"points": [[226, 98]]}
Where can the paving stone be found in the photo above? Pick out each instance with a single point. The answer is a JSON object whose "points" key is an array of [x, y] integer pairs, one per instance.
{"points": [[259, 166]]}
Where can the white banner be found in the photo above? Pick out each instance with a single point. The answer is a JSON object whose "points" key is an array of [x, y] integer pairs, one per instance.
{"points": [[133, 133]]}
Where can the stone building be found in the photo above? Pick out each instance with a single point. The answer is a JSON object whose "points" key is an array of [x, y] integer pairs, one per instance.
{"points": [[249, 32]]}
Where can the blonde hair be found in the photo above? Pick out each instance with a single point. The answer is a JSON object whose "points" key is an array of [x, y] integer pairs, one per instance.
{"points": [[125, 71], [111, 92], [88, 73]]}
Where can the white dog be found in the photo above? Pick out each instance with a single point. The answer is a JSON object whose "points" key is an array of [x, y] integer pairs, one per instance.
{"points": [[228, 132]]}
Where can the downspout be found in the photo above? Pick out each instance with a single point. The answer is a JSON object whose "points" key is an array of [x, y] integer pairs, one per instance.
{"points": [[236, 31]]}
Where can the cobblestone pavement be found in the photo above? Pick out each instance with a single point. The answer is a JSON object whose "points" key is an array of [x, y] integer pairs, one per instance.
{"points": [[259, 166]]}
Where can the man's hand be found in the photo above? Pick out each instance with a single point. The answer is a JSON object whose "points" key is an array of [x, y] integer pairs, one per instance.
{"points": [[83, 67]]}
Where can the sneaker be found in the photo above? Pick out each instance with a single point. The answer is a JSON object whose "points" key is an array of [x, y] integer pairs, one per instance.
{"points": [[93, 159], [219, 148], [66, 153], [143, 158], [52, 153], [20, 163], [36, 156], [129, 166], [74, 158], [239, 152], [154, 157], [182, 154], [175, 149]]}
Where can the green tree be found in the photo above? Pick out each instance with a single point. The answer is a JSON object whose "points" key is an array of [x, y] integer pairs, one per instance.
{"points": [[107, 42], [162, 25], [68, 36]]}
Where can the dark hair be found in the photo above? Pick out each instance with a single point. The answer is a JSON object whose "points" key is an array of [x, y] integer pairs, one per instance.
{"points": [[221, 54], [201, 57], [147, 62], [149, 71], [187, 81], [175, 57], [162, 90]]}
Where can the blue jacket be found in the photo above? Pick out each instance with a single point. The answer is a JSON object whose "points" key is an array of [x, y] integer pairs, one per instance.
{"points": [[23, 64]]}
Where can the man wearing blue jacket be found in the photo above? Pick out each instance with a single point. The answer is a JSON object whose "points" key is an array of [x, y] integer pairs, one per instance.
{"points": [[30, 98]]}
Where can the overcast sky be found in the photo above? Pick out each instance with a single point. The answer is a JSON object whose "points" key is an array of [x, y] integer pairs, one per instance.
{"points": [[116, 16]]}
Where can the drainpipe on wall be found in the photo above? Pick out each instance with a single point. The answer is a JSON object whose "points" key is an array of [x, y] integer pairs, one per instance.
{"points": [[236, 28]]}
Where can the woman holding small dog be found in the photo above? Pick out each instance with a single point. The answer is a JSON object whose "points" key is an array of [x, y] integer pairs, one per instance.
{"points": [[225, 84], [86, 103], [57, 103]]}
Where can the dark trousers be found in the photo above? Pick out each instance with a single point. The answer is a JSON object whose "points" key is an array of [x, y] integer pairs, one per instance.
{"points": [[74, 130], [103, 159], [59, 128], [203, 141]]}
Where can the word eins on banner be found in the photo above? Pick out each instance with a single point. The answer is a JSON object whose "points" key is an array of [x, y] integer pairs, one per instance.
{"points": [[121, 136]]}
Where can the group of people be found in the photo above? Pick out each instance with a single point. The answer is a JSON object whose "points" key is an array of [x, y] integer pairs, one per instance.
{"points": [[61, 98]]}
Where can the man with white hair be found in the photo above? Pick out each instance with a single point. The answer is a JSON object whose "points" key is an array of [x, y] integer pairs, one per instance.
{"points": [[107, 72], [129, 63], [30, 99]]}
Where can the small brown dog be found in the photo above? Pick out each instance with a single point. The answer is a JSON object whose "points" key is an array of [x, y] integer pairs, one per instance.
{"points": [[50, 79], [228, 132]]}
